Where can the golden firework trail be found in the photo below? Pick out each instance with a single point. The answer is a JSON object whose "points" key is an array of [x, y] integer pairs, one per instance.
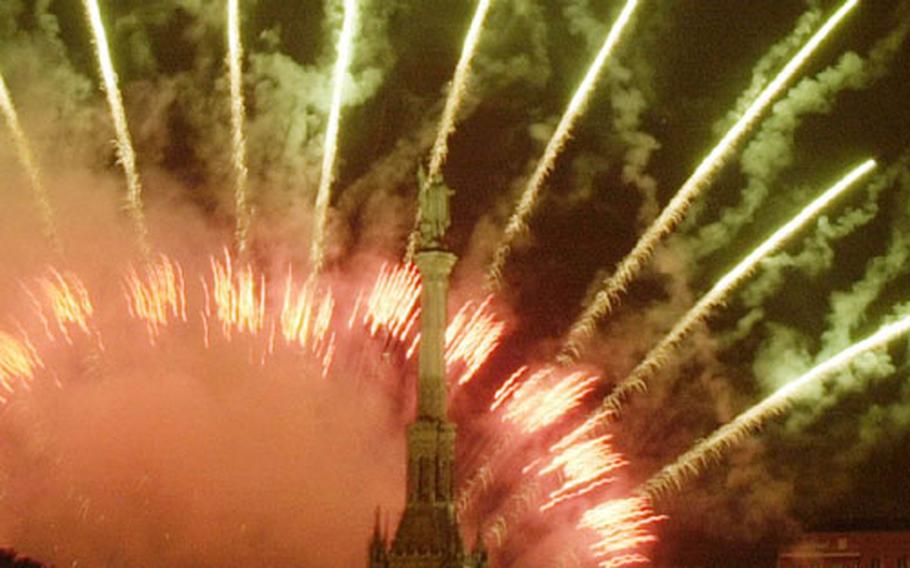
{"points": [[693, 461], [629, 268], [393, 303], [345, 52], [545, 397], [471, 337], [518, 223], [450, 111], [457, 91], [237, 297], [306, 319], [720, 292], [238, 140], [583, 468], [67, 301], [621, 525], [126, 155], [18, 363], [157, 296], [26, 158]]}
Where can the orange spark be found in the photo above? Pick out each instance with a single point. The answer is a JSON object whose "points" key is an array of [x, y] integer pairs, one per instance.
{"points": [[18, 361], [583, 468], [68, 300], [393, 303], [546, 396], [471, 337], [157, 296], [621, 525], [237, 297], [306, 318], [508, 388]]}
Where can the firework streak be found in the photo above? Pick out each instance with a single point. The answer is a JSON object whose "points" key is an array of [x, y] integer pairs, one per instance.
{"points": [[519, 221], [157, 296], [450, 112], [345, 52], [693, 461], [125, 153], [621, 525], [238, 141], [18, 362], [27, 160], [718, 295], [238, 304], [629, 268]]}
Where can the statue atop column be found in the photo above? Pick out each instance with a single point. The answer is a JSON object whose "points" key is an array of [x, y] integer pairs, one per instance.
{"points": [[433, 199]]}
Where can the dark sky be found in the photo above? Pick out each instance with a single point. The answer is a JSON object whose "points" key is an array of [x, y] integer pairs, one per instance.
{"points": [[683, 66]]}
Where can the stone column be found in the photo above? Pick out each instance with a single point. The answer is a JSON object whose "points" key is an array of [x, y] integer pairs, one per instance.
{"points": [[434, 266]]}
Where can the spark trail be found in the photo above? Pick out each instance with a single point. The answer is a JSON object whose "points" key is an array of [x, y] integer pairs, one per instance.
{"points": [[157, 296], [238, 140], [519, 221], [18, 362], [720, 292], [694, 460], [126, 155], [26, 158], [629, 268], [450, 111], [343, 62], [621, 525]]}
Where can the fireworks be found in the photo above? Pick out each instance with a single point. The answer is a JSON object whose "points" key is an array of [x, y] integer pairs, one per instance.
{"points": [[471, 337], [18, 362], [345, 52], [306, 319], [24, 152], [241, 310], [450, 112], [691, 463], [546, 397], [125, 153], [236, 298], [392, 303], [629, 268], [62, 302], [724, 287], [158, 296], [621, 525], [583, 467], [518, 221], [238, 141]]}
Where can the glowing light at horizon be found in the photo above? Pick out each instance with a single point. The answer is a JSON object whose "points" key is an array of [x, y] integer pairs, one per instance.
{"points": [[629, 268], [734, 432], [345, 52], [518, 223], [238, 141], [26, 158], [636, 381], [125, 153]]}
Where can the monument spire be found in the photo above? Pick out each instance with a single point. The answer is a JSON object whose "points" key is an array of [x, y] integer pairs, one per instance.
{"points": [[428, 535]]}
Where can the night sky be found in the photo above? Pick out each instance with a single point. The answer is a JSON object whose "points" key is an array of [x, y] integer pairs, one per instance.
{"points": [[839, 459]]}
